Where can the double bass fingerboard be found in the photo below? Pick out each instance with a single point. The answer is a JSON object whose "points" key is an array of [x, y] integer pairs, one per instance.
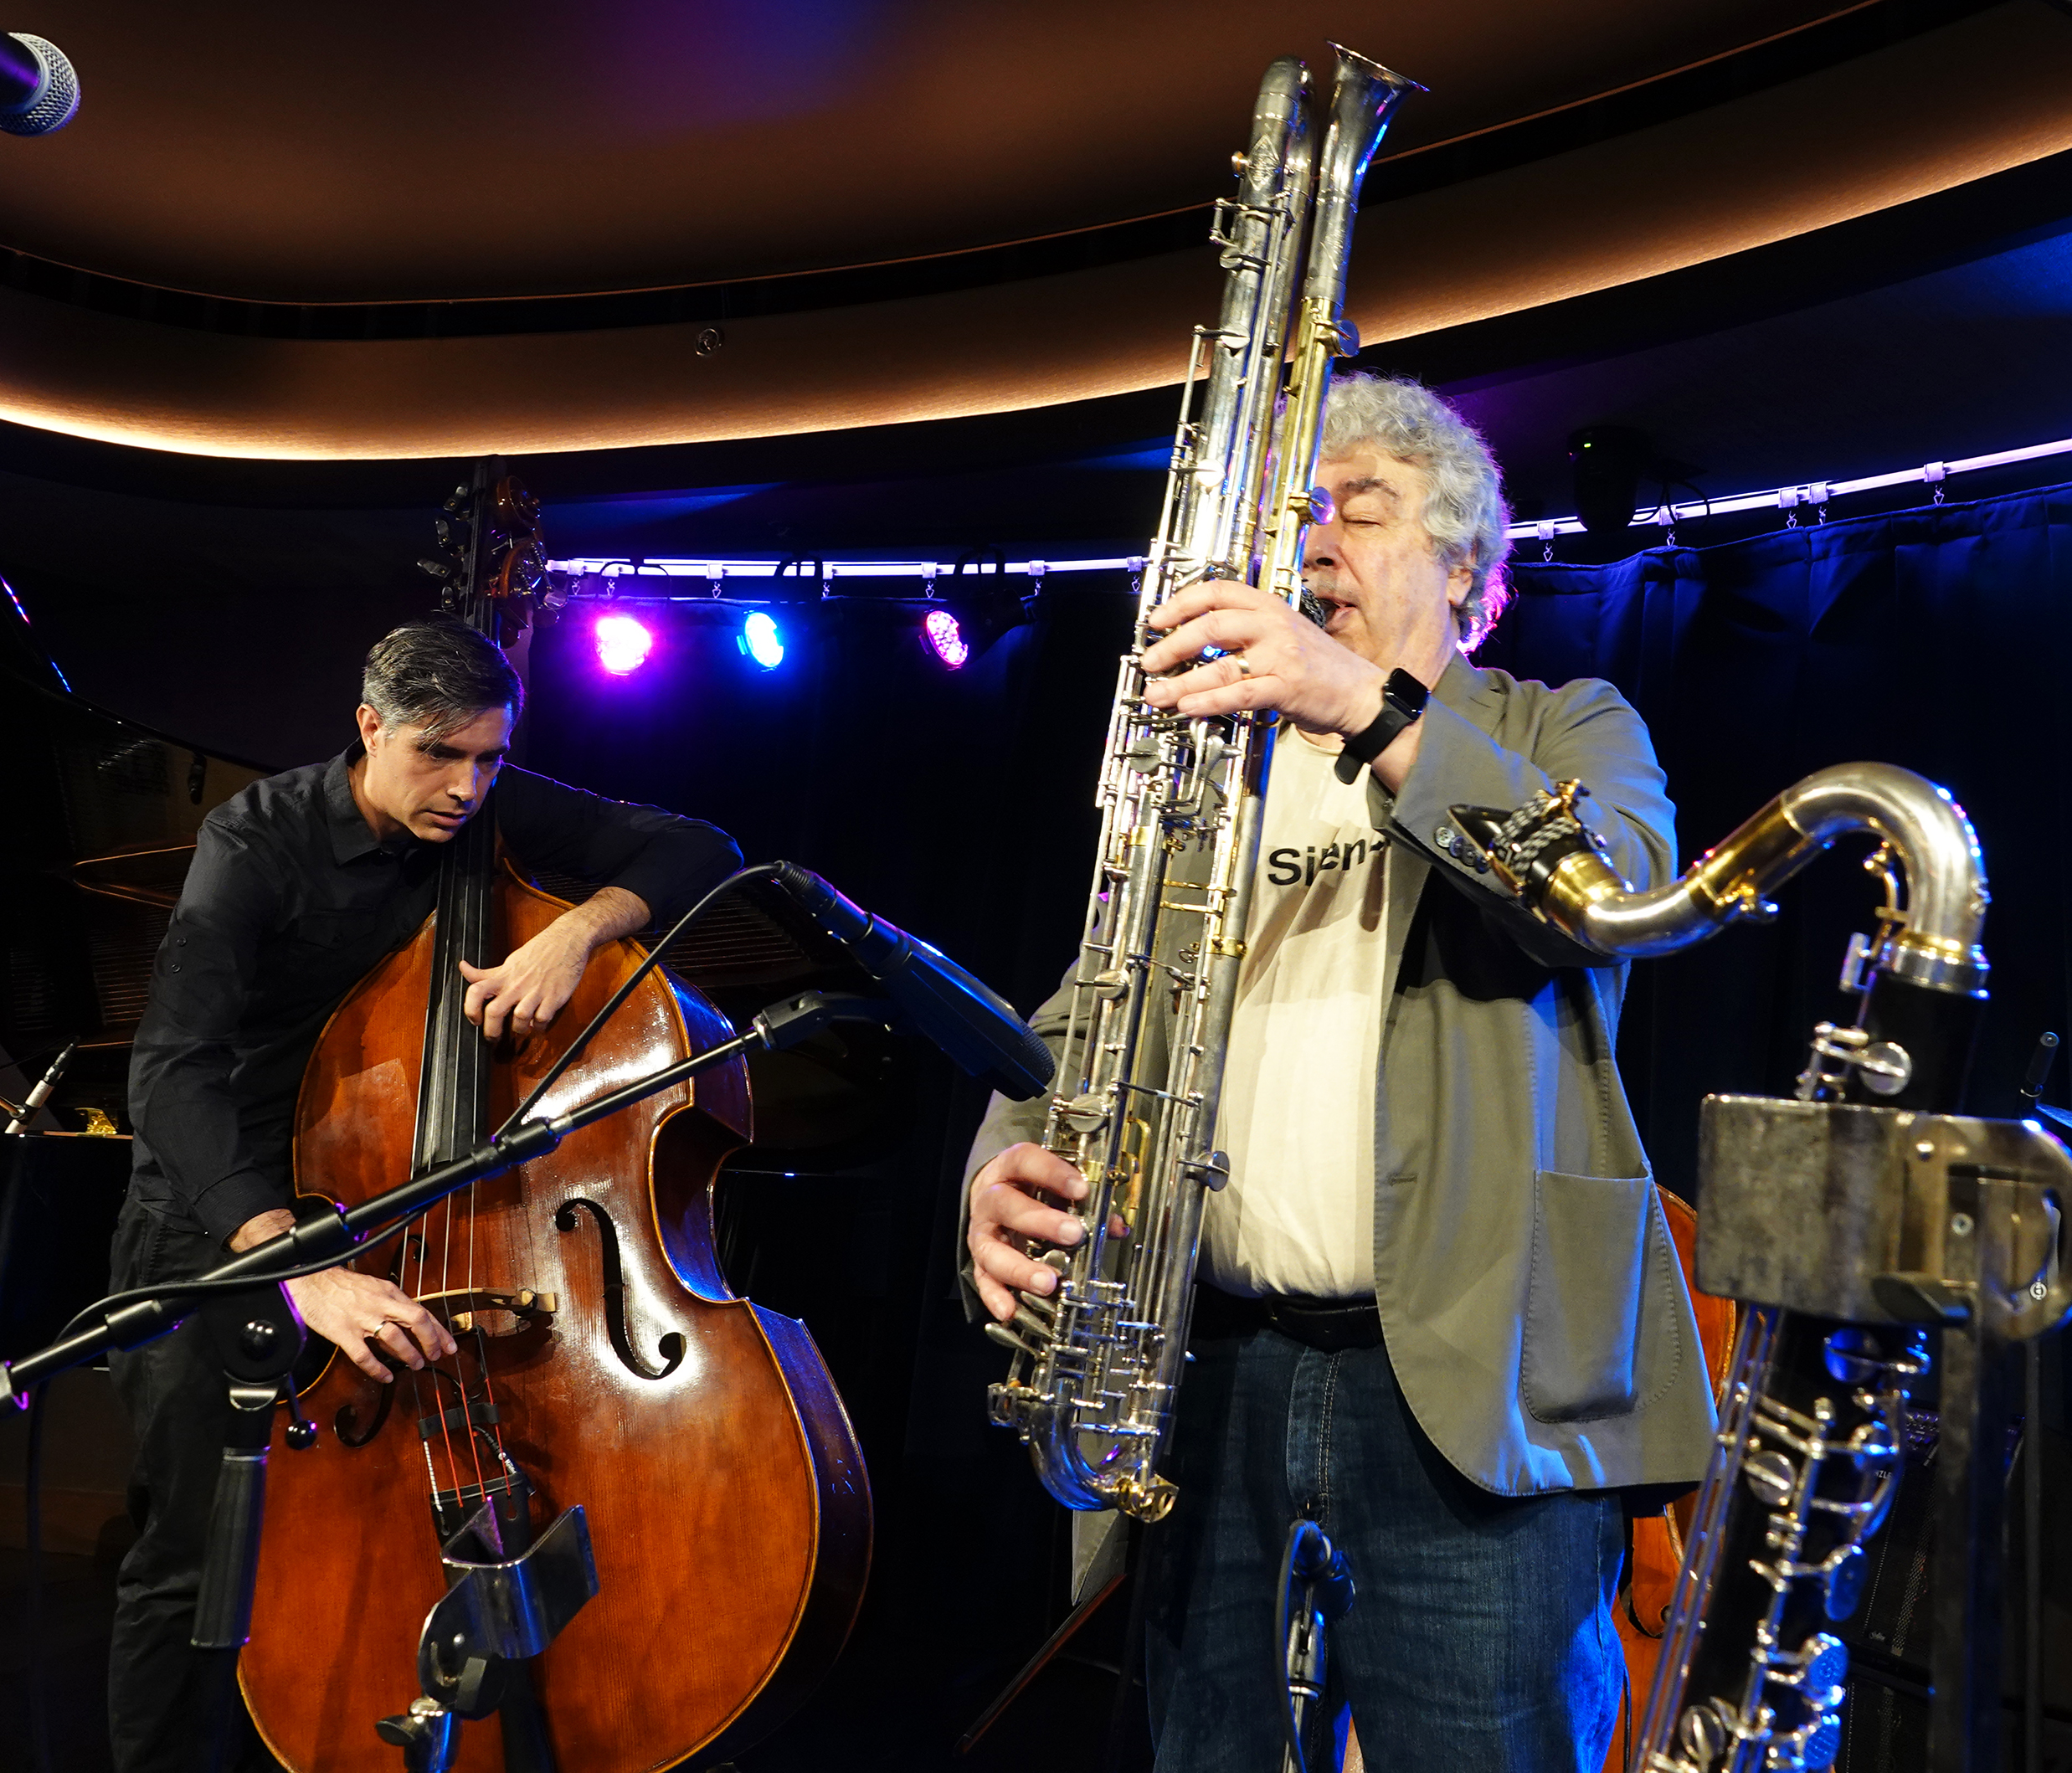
{"points": [[496, 558], [453, 1097]]}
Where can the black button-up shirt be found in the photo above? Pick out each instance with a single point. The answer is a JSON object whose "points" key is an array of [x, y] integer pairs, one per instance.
{"points": [[291, 901]]}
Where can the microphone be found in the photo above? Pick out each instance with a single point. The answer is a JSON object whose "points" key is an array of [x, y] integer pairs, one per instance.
{"points": [[39, 91], [975, 1027], [41, 1094], [1314, 1562]]}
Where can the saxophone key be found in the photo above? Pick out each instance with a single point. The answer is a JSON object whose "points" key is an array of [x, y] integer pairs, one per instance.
{"points": [[1007, 1339]]}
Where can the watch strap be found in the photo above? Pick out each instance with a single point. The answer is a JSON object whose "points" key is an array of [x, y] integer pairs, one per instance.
{"points": [[1403, 700]]}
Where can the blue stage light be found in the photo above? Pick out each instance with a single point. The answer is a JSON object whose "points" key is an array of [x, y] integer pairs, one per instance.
{"points": [[761, 640]]}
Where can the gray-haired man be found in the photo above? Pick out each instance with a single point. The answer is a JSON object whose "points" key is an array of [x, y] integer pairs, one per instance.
{"points": [[299, 885], [1442, 1315]]}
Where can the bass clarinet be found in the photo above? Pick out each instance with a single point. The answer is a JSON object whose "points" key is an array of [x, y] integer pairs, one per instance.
{"points": [[1097, 1364], [1847, 1219]]}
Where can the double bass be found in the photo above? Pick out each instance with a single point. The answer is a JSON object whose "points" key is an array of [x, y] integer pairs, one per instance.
{"points": [[604, 1365]]}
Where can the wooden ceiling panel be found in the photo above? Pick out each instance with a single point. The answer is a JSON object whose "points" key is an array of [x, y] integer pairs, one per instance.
{"points": [[1932, 112], [391, 151]]}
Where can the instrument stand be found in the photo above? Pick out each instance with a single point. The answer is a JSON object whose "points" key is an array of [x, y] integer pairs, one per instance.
{"points": [[1870, 1216], [498, 1611], [1971, 1485]]}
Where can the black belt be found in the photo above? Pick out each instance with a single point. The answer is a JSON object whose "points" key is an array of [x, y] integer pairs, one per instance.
{"points": [[1327, 1325]]}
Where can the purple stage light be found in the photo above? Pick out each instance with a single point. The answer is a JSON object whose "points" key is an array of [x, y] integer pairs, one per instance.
{"points": [[623, 644], [946, 641]]}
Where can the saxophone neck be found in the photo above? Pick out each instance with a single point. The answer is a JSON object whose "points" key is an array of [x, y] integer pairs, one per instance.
{"points": [[1363, 98], [1546, 854]]}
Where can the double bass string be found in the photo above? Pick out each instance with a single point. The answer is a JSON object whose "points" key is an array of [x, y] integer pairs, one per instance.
{"points": [[417, 1379], [459, 1364], [446, 1427], [482, 1354]]}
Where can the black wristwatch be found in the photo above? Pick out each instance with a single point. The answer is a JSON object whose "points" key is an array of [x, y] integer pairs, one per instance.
{"points": [[1403, 699]]}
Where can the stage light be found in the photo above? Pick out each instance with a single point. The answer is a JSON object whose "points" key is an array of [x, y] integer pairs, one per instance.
{"points": [[943, 637], [985, 609], [623, 644], [1609, 460], [762, 641]]}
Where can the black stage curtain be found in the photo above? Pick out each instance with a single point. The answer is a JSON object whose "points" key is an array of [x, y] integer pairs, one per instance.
{"points": [[960, 806], [1940, 638]]}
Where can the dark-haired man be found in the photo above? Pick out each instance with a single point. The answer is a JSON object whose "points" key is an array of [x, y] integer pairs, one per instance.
{"points": [[299, 885]]}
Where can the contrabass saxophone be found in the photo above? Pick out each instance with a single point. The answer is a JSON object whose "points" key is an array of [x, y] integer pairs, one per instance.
{"points": [[1845, 1218], [1097, 1363]]}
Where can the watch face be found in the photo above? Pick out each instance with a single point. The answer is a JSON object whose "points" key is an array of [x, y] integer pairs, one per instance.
{"points": [[1406, 693]]}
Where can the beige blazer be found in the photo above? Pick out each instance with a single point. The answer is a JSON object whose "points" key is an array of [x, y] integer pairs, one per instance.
{"points": [[1534, 1311]]}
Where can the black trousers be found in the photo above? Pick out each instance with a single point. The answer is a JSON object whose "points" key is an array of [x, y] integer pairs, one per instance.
{"points": [[178, 1406]]}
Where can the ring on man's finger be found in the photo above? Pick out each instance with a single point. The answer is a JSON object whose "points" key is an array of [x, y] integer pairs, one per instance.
{"points": [[1243, 664]]}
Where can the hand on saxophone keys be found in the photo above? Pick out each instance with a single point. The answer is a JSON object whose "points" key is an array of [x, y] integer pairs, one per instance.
{"points": [[1272, 658], [1388, 597], [1013, 1199]]}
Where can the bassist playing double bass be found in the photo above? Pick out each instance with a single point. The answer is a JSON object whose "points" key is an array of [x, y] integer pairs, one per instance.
{"points": [[299, 885]]}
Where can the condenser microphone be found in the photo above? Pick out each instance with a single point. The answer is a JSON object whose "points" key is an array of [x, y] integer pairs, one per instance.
{"points": [[977, 1029], [18, 1122], [39, 89]]}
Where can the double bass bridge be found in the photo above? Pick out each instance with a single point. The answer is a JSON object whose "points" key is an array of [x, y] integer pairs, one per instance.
{"points": [[491, 1311]]}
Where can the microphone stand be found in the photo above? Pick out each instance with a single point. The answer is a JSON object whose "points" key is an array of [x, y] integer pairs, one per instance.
{"points": [[1325, 1579], [257, 1335]]}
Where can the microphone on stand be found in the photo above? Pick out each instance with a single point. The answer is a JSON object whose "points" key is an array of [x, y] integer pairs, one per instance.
{"points": [[39, 91], [1320, 1569], [977, 1029], [37, 1098]]}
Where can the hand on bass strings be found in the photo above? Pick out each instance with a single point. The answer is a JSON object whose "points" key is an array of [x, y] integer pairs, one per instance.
{"points": [[354, 1310], [528, 990], [1008, 1204]]}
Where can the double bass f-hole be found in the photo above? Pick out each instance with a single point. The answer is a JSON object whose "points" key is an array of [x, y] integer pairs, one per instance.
{"points": [[670, 1346]]}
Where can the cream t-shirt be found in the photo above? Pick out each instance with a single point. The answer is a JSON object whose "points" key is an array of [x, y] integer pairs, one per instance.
{"points": [[1297, 1115]]}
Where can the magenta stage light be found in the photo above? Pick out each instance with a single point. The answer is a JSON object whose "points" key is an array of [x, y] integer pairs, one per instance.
{"points": [[938, 628], [622, 643]]}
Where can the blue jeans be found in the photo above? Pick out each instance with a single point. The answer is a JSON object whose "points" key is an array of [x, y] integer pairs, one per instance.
{"points": [[1481, 1640]]}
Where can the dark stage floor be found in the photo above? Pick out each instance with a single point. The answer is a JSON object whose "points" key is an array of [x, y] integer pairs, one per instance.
{"points": [[889, 1703]]}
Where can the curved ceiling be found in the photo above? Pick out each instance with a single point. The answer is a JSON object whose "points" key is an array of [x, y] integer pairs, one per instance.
{"points": [[284, 161], [411, 152]]}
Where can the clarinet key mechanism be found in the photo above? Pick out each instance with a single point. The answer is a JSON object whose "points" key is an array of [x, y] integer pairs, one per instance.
{"points": [[1872, 1231]]}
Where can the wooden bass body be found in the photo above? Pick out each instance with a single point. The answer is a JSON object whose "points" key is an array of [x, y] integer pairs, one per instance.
{"points": [[602, 1350]]}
